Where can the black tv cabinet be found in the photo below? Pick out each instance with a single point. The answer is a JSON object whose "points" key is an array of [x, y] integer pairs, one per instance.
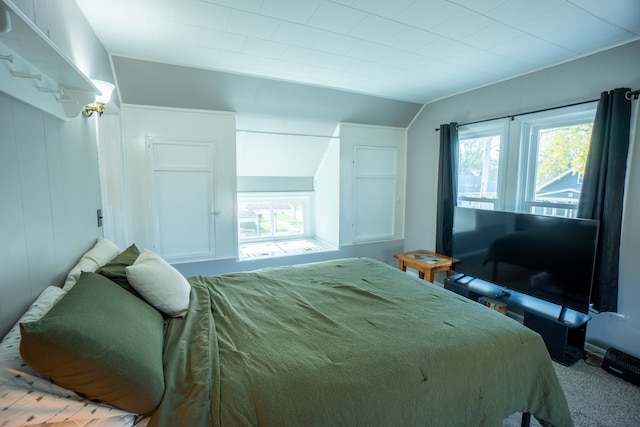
{"points": [[562, 329]]}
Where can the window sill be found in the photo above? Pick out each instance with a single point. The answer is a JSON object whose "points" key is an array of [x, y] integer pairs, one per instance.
{"points": [[281, 248]]}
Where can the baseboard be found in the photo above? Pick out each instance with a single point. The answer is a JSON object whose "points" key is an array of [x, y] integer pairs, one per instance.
{"points": [[594, 349]]}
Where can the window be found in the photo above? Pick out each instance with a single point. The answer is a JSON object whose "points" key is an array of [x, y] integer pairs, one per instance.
{"points": [[274, 216], [557, 154], [533, 163], [479, 165], [277, 224]]}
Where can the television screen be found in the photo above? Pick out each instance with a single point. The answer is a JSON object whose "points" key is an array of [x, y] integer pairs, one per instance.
{"points": [[547, 257]]}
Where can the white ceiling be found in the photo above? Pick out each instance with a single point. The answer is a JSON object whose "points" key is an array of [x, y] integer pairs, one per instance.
{"points": [[261, 154], [408, 50]]}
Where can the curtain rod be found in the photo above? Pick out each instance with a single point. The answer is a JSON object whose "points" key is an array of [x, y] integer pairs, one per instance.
{"points": [[631, 94], [511, 116]]}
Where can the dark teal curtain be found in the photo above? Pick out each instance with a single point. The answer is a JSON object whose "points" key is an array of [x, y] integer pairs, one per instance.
{"points": [[602, 191], [447, 187]]}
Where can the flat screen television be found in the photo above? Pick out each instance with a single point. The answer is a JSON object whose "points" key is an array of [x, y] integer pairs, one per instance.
{"points": [[547, 257]]}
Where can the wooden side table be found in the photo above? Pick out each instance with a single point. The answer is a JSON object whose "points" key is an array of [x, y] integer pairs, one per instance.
{"points": [[426, 262]]}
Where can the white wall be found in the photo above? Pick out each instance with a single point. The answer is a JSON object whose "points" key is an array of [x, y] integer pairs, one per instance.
{"points": [[568, 83], [114, 191], [354, 135], [326, 185], [50, 193], [49, 178], [611, 329], [142, 123]]}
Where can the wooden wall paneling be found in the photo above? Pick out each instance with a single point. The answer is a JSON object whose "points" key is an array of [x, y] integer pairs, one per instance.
{"points": [[13, 250], [36, 197]]}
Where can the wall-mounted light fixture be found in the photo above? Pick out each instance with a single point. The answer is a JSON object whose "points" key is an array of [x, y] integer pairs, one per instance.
{"points": [[106, 89]]}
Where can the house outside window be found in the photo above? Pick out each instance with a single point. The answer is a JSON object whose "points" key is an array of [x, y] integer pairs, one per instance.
{"points": [[533, 163], [557, 154]]}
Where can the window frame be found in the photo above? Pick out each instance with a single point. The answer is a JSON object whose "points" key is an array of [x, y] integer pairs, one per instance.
{"points": [[497, 127], [530, 126], [307, 199], [517, 165]]}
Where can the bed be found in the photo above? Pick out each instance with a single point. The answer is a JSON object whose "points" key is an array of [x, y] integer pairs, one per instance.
{"points": [[344, 342]]}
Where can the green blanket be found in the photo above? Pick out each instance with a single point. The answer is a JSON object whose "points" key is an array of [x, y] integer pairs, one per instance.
{"points": [[349, 342]]}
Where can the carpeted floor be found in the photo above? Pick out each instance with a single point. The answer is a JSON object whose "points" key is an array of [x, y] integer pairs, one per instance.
{"points": [[595, 397]]}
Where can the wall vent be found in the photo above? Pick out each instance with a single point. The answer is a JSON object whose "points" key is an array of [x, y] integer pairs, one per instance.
{"points": [[622, 365]]}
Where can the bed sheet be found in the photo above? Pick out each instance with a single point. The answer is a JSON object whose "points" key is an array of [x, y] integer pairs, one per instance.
{"points": [[349, 342]]}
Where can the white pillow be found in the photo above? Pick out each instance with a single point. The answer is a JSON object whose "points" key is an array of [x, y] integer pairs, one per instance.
{"points": [[41, 306], [102, 252], [159, 284]]}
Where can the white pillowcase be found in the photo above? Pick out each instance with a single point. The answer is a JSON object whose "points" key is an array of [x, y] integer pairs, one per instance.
{"points": [[159, 284], [41, 306], [102, 252]]}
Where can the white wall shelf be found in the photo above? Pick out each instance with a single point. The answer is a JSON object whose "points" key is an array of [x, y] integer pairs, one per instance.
{"points": [[35, 71]]}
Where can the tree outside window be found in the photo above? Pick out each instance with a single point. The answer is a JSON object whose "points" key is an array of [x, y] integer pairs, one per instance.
{"points": [[533, 163]]}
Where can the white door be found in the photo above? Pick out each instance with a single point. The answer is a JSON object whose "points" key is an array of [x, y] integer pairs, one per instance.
{"points": [[183, 198], [374, 192]]}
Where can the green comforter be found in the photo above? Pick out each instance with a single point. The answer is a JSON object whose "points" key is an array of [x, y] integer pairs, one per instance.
{"points": [[349, 342]]}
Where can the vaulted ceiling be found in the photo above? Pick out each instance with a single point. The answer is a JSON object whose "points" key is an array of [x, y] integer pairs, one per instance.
{"points": [[408, 50]]}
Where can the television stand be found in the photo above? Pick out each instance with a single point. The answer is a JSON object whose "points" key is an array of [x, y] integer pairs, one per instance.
{"points": [[565, 345], [562, 329]]}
